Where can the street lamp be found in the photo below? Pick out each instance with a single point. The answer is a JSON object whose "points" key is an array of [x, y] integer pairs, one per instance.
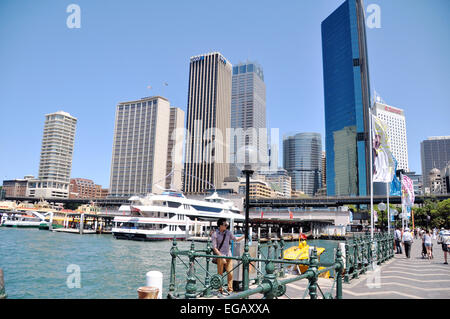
{"points": [[382, 207], [395, 213]]}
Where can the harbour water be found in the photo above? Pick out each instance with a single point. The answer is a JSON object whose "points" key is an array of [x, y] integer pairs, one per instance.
{"points": [[42, 264]]}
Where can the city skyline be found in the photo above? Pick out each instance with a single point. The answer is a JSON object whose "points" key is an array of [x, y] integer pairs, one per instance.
{"points": [[67, 70]]}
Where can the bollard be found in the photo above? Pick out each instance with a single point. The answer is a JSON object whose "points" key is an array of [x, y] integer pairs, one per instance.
{"points": [[148, 292], [155, 279], [3, 294]]}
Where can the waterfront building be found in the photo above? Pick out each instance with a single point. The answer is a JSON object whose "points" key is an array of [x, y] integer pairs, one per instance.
{"points": [[86, 188], [16, 187], [417, 182], [435, 153], [279, 180], [141, 146], [56, 157], [259, 188], [438, 182], [347, 100], [207, 121], [395, 121], [302, 157], [248, 115], [174, 149]]}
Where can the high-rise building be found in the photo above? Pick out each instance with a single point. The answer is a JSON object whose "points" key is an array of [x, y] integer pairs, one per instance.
{"points": [[324, 169], [175, 149], [56, 157], [140, 148], [395, 121], [302, 156], [347, 100], [435, 153], [207, 121], [248, 115]]}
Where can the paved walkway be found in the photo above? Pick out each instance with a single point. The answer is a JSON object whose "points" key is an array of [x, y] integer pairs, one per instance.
{"points": [[398, 278]]}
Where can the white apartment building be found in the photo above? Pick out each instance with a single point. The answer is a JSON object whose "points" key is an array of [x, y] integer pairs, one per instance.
{"points": [[141, 147], [395, 120], [56, 157]]}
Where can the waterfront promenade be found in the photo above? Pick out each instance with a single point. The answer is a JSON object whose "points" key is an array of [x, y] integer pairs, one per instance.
{"points": [[398, 278]]}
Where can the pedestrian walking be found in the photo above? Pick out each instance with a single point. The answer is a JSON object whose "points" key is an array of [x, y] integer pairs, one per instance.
{"points": [[444, 240], [427, 242], [407, 240], [398, 240]]}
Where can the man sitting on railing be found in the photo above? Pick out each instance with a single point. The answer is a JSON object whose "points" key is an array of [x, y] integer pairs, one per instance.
{"points": [[221, 246]]}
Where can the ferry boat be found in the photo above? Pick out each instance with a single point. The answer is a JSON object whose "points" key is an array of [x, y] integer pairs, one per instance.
{"points": [[172, 215], [29, 219]]}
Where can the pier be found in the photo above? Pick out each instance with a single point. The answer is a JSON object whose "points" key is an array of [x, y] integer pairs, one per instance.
{"points": [[83, 223], [362, 269]]}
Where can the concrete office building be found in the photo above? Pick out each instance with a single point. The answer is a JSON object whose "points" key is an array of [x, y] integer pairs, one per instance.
{"points": [[395, 121], [347, 100], [207, 121], [248, 115], [56, 157], [435, 153], [279, 180], [141, 145]]}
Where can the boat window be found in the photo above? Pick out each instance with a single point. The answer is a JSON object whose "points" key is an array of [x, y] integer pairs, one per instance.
{"points": [[182, 228], [174, 204], [207, 209]]}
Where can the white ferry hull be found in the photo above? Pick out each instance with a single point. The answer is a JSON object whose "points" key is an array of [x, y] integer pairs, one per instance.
{"points": [[138, 236]]}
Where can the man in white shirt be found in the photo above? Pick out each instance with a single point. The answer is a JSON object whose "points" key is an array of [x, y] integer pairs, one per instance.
{"points": [[407, 240]]}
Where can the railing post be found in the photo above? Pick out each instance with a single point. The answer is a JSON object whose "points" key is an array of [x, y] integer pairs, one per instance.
{"points": [[191, 286], [271, 279], [347, 262], [209, 252], [281, 273], [257, 280], [173, 253], [246, 263], [313, 266], [338, 274]]}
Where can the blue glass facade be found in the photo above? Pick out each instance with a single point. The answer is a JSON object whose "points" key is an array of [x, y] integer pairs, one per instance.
{"points": [[302, 157], [347, 98]]}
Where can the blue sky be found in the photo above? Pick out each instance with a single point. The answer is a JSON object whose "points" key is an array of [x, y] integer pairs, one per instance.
{"points": [[124, 46]]}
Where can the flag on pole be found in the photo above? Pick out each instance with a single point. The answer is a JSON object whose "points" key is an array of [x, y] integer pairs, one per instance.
{"points": [[262, 214], [383, 161], [396, 185], [407, 191], [291, 215]]}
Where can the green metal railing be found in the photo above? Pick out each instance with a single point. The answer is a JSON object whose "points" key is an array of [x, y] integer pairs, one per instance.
{"points": [[360, 254]]}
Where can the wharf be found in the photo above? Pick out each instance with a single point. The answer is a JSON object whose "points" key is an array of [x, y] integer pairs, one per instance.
{"points": [[398, 278]]}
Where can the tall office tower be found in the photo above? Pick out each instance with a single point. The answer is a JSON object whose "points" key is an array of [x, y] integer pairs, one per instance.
{"points": [[248, 115], [175, 149], [302, 156], [395, 121], [347, 100], [434, 153], [207, 121], [324, 169], [140, 147], [56, 157]]}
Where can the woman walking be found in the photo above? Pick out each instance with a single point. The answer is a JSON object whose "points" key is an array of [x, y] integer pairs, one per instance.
{"points": [[427, 242]]}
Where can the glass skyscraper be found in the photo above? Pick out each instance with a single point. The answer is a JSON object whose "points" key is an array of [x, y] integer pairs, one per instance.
{"points": [[347, 100], [302, 157], [434, 153], [248, 115]]}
